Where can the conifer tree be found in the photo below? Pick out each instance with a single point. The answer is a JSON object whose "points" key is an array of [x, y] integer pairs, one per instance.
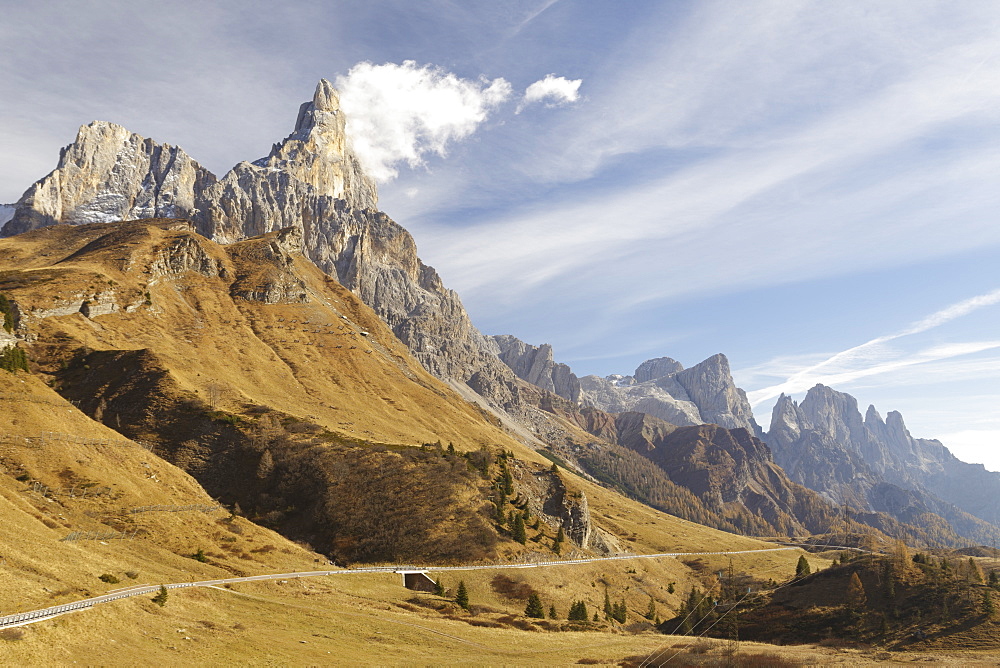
{"points": [[856, 597], [552, 612], [651, 610], [994, 580], [161, 596], [988, 606], [620, 612], [578, 612], [438, 588], [975, 573], [608, 610], [462, 595], [534, 608], [517, 531], [802, 567]]}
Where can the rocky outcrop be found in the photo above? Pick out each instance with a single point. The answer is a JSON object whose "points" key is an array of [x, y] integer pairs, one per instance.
{"points": [[661, 387], [570, 508], [312, 182], [536, 365]]}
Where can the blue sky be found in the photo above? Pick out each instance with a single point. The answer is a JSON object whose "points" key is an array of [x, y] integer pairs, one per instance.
{"points": [[812, 188]]}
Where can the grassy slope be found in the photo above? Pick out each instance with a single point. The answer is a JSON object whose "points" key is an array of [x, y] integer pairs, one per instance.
{"points": [[384, 396]]}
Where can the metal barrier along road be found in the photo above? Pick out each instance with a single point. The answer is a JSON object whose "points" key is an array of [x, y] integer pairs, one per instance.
{"points": [[22, 618]]}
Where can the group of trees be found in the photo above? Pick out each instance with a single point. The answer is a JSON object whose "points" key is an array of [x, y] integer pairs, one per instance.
{"points": [[616, 611], [578, 612], [13, 358]]}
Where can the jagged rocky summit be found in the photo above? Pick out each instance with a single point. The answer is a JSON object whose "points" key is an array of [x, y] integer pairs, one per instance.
{"points": [[310, 181], [869, 462], [661, 387]]}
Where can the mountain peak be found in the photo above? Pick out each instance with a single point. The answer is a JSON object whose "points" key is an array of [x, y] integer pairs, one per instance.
{"points": [[324, 107], [658, 367]]}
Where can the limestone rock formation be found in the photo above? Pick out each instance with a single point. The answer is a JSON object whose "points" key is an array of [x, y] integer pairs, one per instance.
{"points": [[536, 365], [312, 182], [703, 394], [107, 174], [657, 367], [871, 463]]}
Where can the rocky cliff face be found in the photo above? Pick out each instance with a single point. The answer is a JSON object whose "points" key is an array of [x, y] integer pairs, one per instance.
{"points": [[871, 463], [109, 174], [311, 182], [536, 365], [703, 394]]}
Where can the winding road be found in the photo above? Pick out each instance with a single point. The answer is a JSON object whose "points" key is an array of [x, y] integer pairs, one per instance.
{"points": [[33, 616]]}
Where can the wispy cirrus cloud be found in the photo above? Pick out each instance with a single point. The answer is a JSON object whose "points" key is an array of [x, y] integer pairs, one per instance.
{"points": [[876, 356]]}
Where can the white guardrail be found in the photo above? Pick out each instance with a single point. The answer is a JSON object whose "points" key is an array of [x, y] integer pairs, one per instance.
{"points": [[22, 618]]}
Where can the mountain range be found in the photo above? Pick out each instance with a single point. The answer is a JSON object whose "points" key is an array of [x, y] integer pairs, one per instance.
{"points": [[689, 435]]}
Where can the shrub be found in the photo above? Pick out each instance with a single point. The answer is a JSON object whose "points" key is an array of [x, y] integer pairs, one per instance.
{"points": [[109, 578], [161, 596]]}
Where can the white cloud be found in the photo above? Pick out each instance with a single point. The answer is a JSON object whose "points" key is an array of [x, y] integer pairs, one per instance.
{"points": [[401, 113], [553, 91]]}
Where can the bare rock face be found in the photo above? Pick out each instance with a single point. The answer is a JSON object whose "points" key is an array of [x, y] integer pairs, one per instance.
{"points": [[710, 386], [875, 464], [312, 182], [703, 394], [536, 365], [110, 174], [657, 368], [570, 508], [317, 153]]}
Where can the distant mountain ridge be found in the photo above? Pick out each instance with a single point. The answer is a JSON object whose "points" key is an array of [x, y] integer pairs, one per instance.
{"points": [[826, 445], [661, 387]]}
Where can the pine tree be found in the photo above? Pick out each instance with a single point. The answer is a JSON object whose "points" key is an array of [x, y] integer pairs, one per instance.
{"points": [[161, 597], [619, 612], [994, 580], [988, 607], [557, 543], [651, 610], [517, 531], [506, 479], [609, 612], [8, 313], [802, 567], [975, 573], [578, 612], [552, 612], [534, 608], [462, 596], [438, 588]]}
